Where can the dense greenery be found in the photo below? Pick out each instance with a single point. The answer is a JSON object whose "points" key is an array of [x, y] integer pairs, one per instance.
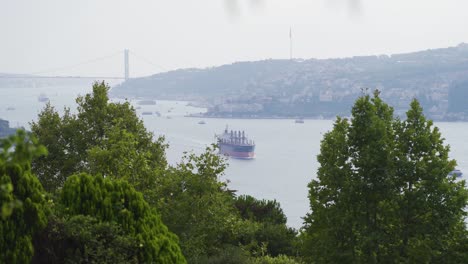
{"points": [[100, 220], [108, 141], [22, 198], [383, 193], [101, 138], [117, 201], [84, 239], [196, 205], [271, 230], [211, 222]]}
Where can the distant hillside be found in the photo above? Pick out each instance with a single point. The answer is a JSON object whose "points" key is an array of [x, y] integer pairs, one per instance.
{"points": [[312, 87]]}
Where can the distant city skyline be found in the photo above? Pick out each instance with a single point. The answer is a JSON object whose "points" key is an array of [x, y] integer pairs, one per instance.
{"points": [[38, 36]]}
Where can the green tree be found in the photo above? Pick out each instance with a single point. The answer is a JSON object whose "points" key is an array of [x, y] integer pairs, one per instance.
{"points": [[101, 138], [382, 192], [431, 203], [281, 259], [197, 206], [270, 229], [84, 239], [23, 201], [116, 201]]}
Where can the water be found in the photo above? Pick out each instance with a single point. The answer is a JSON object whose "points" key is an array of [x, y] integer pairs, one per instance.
{"points": [[285, 151]]}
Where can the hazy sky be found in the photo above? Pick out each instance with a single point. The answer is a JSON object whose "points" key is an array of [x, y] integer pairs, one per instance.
{"points": [[38, 35]]}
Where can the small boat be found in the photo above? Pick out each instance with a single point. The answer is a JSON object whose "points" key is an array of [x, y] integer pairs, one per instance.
{"points": [[299, 121], [201, 122], [43, 98], [147, 113], [10, 108]]}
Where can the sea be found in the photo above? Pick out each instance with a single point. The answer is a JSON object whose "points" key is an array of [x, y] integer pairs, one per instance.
{"points": [[286, 152]]}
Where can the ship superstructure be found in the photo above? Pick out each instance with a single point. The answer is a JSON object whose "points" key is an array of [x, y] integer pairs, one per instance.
{"points": [[236, 144]]}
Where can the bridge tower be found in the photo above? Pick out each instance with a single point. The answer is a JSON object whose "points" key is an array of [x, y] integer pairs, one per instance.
{"points": [[127, 66]]}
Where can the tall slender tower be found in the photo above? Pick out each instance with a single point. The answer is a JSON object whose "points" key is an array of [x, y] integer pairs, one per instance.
{"points": [[290, 44], [127, 66]]}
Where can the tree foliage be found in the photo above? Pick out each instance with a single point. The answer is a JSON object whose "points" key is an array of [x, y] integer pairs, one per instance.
{"points": [[383, 193], [23, 201], [101, 138], [281, 259], [270, 229], [196, 205], [116, 201], [84, 239]]}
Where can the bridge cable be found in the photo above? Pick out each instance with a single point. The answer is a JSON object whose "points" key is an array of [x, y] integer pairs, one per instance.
{"points": [[51, 70], [149, 62]]}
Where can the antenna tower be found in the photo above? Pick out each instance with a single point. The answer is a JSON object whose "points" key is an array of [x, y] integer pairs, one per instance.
{"points": [[290, 44], [127, 66]]}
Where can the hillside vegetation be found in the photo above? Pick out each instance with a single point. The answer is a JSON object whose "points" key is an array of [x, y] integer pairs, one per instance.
{"points": [[314, 87]]}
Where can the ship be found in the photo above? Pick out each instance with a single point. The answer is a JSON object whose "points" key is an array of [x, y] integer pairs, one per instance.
{"points": [[299, 121], [43, 98], [235, 144]]}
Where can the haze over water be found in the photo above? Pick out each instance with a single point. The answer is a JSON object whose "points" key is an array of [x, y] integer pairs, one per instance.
{"points": [[286, 152]]}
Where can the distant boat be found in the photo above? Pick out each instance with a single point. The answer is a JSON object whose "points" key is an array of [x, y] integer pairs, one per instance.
{"points": [[157, 113], [201, 122], [147, 113], [43, 98], [457, 173], [10, 108], [147, 102], [299, 121]]}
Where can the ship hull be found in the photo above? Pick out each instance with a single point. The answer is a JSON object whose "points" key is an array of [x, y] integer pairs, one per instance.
{"points": [[237, 151]]}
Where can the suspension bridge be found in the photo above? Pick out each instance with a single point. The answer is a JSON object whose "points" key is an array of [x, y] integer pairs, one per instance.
{"points": [[46, 74]]}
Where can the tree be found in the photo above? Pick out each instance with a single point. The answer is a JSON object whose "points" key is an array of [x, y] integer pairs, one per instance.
{"points": [[197, 206], [102, 138], [84, 239], [271, 230], [116, 201], [431, 203], [382, 193], [23, 201]]}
